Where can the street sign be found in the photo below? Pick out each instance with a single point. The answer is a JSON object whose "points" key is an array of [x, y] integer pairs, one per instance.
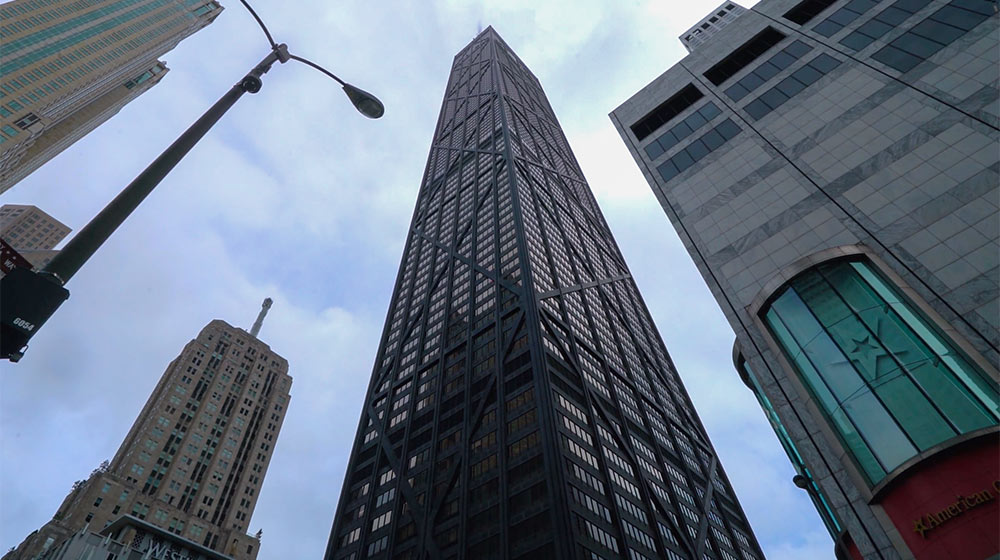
{"points": [[27, 300], [11, 259]]}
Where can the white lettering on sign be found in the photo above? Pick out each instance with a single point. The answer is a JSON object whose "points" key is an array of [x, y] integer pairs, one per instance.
{"points": [[161, 551], [19, 322]]}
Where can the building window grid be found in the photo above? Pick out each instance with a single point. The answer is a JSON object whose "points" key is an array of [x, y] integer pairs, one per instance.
{"points": [[597, 534], [939, 30], [791, 86], [743, 56], [577, 430], [666, 111], [767, 70], [618, 461], [803, 12], [698, 149], [632, 509], [650, 469], [843, 17], [882, 23], [590, 504], [624, 483], [586, 477], [639, 535]]}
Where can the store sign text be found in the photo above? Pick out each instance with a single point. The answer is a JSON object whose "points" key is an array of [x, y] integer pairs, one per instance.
{"points": [[160, 551], [961, 505]]}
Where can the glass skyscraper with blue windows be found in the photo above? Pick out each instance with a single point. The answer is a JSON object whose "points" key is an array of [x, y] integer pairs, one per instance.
{"points": [[522, 404], [68, 66]]}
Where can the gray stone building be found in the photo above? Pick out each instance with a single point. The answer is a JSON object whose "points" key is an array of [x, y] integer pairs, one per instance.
{"points": [[832, 168]]}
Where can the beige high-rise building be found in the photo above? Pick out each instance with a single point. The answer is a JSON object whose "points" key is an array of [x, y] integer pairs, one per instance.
{"points": [[28, 228], [68, 66], [31, 233], [194, 460]]}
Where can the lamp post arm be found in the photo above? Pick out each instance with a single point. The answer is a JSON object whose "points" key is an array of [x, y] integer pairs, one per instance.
{"points": [[85, 243], [318, 67], [260, 22]]}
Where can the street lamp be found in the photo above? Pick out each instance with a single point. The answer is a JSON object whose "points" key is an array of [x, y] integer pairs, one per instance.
{"points": [[29, 298]]}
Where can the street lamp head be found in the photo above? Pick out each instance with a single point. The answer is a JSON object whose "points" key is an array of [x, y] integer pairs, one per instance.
{"points": [[366, 103]]}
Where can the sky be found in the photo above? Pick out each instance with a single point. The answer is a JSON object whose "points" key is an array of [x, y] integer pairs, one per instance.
{"points": [[297, 197]]}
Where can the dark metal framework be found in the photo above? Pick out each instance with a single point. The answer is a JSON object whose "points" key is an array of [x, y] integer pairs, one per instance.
{"points": [[522, 403]]}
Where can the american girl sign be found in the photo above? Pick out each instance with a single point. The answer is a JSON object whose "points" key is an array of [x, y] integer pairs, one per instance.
{"points": [[962, 504]]}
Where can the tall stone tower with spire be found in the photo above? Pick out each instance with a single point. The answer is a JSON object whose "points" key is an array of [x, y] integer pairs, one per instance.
{"points": [[196, 456]]}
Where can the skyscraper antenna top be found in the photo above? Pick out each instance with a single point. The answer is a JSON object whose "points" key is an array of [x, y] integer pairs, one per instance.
{"points": [[260, 317]]}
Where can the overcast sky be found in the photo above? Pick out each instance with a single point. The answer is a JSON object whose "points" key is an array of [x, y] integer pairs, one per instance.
{"points": [[296, 196]]}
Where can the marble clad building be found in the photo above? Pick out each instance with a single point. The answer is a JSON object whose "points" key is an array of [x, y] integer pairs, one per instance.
{"points": [[832, 168]]}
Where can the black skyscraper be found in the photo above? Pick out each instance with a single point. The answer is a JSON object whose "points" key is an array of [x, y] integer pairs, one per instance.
{"points": [[522, 403]]}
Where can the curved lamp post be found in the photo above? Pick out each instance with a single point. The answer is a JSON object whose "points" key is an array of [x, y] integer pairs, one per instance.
{"points": [[29, 298]]}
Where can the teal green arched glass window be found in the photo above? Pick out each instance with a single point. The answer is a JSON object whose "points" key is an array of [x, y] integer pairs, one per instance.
{"points": [[888, 382], [815, 494]]}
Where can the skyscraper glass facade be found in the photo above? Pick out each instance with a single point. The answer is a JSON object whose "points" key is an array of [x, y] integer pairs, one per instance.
{"points": [[62, 59], [522, 404]]}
